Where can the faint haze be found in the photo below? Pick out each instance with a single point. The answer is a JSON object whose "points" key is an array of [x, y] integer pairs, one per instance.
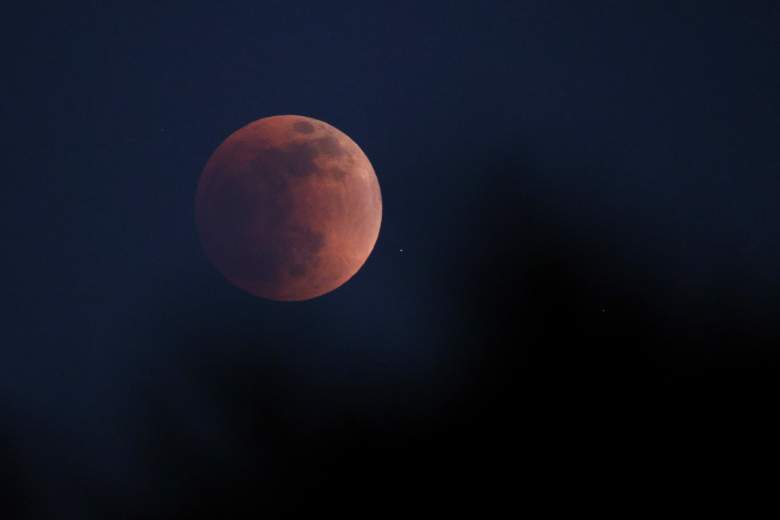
{"points": [[586, 200]]}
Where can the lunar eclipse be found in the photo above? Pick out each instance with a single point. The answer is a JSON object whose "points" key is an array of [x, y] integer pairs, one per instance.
{"points": [[288, 208]]}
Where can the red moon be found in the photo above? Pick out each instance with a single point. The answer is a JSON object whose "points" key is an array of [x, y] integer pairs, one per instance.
{"points": [[288, 208]]}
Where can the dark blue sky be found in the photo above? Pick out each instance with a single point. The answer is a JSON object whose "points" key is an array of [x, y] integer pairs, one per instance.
{"points": [[580, 206]]}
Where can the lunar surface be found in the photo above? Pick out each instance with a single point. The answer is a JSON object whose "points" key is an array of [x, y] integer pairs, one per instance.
{"points": [[288, 208]]}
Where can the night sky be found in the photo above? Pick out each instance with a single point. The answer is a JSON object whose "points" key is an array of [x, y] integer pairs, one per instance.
{"points": [[576, 278]]}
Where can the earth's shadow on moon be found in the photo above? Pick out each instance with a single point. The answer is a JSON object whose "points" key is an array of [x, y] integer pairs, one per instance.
{"points": [[268, 198], [288, 208]]}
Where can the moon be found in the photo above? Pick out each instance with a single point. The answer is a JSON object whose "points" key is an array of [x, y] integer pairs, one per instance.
{"points": [[288, 208]]}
